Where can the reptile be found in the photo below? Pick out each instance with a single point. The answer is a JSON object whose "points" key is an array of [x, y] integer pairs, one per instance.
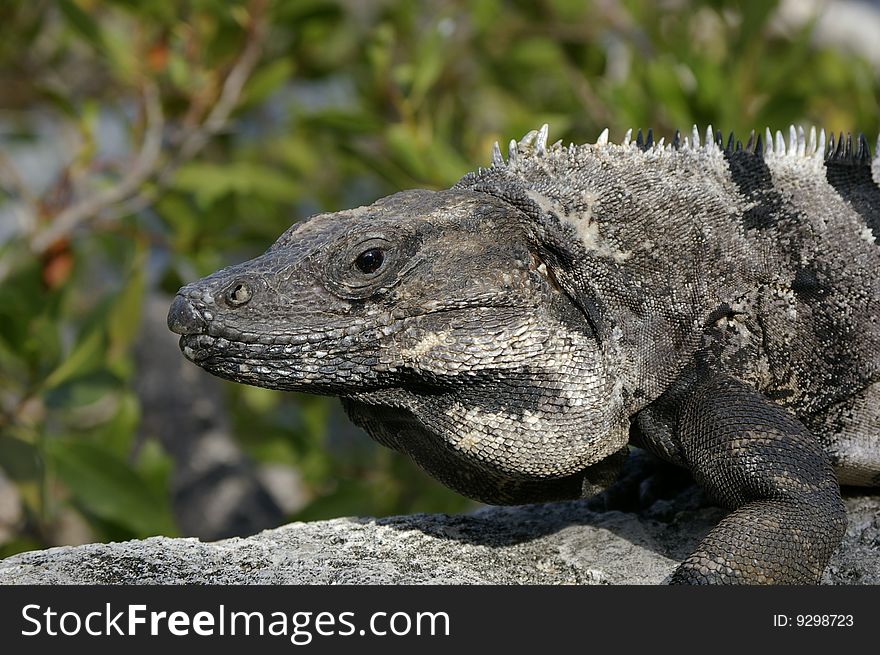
{"points": [[713, 303]]}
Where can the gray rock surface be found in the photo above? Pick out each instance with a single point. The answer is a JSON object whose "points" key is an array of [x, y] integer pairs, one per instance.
{"points": [[562, 543]]}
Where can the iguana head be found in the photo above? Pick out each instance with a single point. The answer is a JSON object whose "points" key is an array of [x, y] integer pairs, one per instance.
{"points": [[436, 306]]}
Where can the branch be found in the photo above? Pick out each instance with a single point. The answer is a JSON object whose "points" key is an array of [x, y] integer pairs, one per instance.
{"points": [[143, 168], [11, 182], [217, 119], [130, 196], [231, 91]]}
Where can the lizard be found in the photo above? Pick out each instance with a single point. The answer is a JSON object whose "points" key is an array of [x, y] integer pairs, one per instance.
{"points": [[715, 304]]}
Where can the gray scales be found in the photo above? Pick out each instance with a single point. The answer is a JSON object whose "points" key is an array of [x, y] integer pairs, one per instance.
{"points": [[715, 304]]}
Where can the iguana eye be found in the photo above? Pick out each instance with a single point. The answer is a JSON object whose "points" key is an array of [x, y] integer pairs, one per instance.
{"points": [[361, 264], [370, 261]]}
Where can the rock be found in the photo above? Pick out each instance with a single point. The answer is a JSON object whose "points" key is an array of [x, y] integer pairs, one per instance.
{"points": [[857, 561], [560, 543]]}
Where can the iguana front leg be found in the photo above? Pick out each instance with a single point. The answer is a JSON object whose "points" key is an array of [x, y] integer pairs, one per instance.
{"points": [[755, 458]]}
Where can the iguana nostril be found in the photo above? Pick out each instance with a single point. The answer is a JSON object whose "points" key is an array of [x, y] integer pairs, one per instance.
{"points": [[238, 294], [183, 318]]}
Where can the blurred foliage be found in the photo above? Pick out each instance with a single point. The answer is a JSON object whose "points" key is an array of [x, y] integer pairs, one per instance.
{"points": [[346, 102]]}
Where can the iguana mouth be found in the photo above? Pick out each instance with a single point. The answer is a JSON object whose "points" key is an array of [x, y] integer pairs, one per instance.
{"points": [[200, 332], [275, 366], [196, 347], [202, 348]]}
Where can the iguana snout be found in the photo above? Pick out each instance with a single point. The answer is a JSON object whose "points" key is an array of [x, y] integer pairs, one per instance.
{"points": [[183, 318]]}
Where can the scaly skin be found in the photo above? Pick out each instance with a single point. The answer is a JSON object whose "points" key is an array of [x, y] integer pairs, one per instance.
{"points": [[513, 334]]}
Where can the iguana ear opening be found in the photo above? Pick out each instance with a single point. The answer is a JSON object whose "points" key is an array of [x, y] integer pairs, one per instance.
{"points": [[552, 244], [549, 263]]}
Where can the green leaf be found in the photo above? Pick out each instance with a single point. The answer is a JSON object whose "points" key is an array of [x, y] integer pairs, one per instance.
{"points": [[81, 390], [266, 80], [179, 71], [20, 459], [21, 299], [210, 182], [154, 466], [105, 485], [123, 320], [178, 212], [119, 432], [260, 400], [121, 56], [403, 142], [428, 68], [86, 356], [82, 22]]}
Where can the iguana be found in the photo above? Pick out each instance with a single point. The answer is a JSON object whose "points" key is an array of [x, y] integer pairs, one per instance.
{"points": [[714, 304]]}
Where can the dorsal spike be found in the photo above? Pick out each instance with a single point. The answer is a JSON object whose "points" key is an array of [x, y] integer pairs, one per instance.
{"points": [[731, 141], [792, 140], [739, 145], [841, 150], [820, 145], [750, 145], [603, 138], [676, 139], [709, 139], [848, 152], [640, 140], [627, 138], [780, 143], [759, 146], [662, 142], [497, 158], [801, 141], [864, 152], [811, 144], [768, 141], [541, 139], [829, 150], [649, 140], [512, 151], [528, 139], [695, 137]]}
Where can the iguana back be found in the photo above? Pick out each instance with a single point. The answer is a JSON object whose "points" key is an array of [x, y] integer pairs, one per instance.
{"points": [[766, 256]]}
